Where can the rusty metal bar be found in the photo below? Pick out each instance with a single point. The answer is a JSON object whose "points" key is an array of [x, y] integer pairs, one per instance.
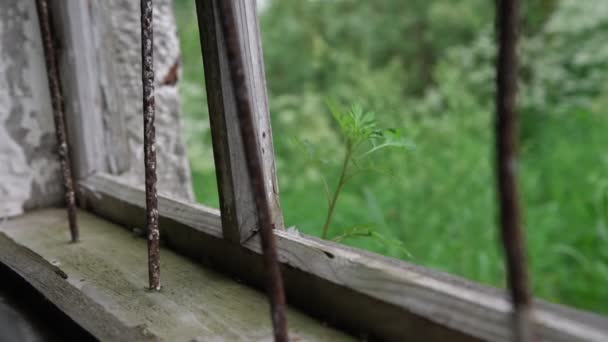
{"points": [[274, 282], [147, 76], [507, 12], [48, 43]]}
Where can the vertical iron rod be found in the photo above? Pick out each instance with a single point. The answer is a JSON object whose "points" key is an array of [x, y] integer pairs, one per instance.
{"points": [[506, 168], [147, 76], [274, 282], [48, 43]]}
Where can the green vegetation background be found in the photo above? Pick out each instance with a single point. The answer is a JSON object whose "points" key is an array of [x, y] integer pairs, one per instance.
{"points": [[425, 66]]}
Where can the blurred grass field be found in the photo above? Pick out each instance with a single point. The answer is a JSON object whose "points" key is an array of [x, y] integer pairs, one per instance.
{"points": [[426, 67]]}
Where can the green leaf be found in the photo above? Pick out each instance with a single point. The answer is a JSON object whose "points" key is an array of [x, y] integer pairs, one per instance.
{"points": [[389, 138], [392, 242], [366, 231], [357, 231]]}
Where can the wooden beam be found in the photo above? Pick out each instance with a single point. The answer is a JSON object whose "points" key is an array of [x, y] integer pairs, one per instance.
{"points": [[91, 102], [237, 204], [367, 294]]}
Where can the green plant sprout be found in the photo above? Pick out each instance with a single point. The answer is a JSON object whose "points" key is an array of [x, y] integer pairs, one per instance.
{"points": [[362, 138], [363, 231]]}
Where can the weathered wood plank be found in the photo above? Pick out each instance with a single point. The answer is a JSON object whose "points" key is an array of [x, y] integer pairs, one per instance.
{"points": [[236, 197], [107, 271], [50, 281], [90, 101], [365, 293]]}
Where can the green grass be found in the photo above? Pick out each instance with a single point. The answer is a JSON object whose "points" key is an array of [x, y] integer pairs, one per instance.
{"points": [[439, 199]]}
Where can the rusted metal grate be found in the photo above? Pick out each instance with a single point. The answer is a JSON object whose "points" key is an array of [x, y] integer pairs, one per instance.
{"points": [[507, 16], [224, 11], [147, 77]]}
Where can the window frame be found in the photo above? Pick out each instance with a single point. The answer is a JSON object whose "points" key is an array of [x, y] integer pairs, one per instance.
{"points": [[361, 292]]}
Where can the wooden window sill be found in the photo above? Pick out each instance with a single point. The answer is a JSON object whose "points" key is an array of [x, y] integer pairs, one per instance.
{"points": [[100, 283], [368, 295]]}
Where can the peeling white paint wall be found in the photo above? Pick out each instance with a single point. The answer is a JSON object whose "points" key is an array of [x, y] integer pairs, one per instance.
{"points": [[29, 169], [173, 167]]}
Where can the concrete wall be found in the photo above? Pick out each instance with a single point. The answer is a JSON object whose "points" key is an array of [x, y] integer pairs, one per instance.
{"points": [[29, 170], [173, 167]]}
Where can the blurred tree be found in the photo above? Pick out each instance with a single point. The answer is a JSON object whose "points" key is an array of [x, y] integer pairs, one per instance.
{"points": [[427, 67]]}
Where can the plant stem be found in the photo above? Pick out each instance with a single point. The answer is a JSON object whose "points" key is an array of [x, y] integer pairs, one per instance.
{"points": [[341, 183]]}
